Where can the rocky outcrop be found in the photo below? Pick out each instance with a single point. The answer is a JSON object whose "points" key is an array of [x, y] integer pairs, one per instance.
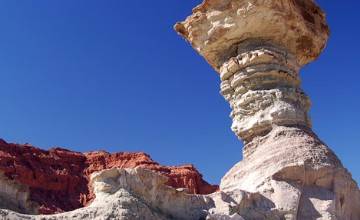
{"points": [[216, 27], [138, 193], [128, 194], [131, 194], [258, 48], [46, 182], [298, 174], [185, 176], [53, 180]]}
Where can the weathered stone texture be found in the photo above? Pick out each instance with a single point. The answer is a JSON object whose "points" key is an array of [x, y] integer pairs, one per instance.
{"points": [[258, 48], [129, 194], [216, 27], [46, 182], [298, 173]]}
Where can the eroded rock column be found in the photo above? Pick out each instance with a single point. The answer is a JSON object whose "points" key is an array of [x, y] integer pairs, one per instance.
{"points": [[262, 85], [258, 48]]}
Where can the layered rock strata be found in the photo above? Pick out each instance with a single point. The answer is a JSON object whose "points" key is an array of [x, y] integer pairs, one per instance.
{"points": [[258, 48], [287, 172], [131, 194], [138, 193], [36, 181], [262, 85]]}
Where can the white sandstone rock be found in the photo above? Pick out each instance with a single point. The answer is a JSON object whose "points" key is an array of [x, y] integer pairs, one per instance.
{"points": [[130, 194], [258, 48]]}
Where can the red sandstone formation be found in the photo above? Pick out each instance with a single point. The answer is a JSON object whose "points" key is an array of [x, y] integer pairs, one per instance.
{"points": [[58, 179]]}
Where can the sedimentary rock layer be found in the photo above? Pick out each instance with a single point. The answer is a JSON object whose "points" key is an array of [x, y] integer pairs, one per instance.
{"points": [[130, 194], [287, 172], [39, 181], [262, 85], [298, 173], [258, 48], [217, 26]]}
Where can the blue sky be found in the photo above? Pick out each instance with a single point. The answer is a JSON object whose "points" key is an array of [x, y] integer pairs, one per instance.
{"points": [[113, 75]]}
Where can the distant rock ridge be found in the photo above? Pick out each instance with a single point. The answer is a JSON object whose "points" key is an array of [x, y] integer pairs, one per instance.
{"points": [[57, 180]]}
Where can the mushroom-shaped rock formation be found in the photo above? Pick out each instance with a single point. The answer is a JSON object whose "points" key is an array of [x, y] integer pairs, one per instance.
{"points": [[287, 172], [258, 48]]}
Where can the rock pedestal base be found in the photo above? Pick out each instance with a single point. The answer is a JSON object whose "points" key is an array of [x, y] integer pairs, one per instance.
{"points": [[298, 176]]}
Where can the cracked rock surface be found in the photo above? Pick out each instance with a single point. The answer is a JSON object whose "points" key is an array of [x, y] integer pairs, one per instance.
{"points": [[287, 173], [258, 48], [36, 181]]}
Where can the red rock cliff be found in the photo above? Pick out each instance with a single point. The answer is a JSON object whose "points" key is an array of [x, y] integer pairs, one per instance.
{"points": [[58, 179]]}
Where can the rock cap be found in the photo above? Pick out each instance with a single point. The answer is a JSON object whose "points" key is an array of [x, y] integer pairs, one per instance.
{"points": [[216, 27]]}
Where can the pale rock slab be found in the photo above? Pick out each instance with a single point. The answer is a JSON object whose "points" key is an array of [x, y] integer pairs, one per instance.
{"points": [[128, 194], [14, 196], [299, 174]]}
